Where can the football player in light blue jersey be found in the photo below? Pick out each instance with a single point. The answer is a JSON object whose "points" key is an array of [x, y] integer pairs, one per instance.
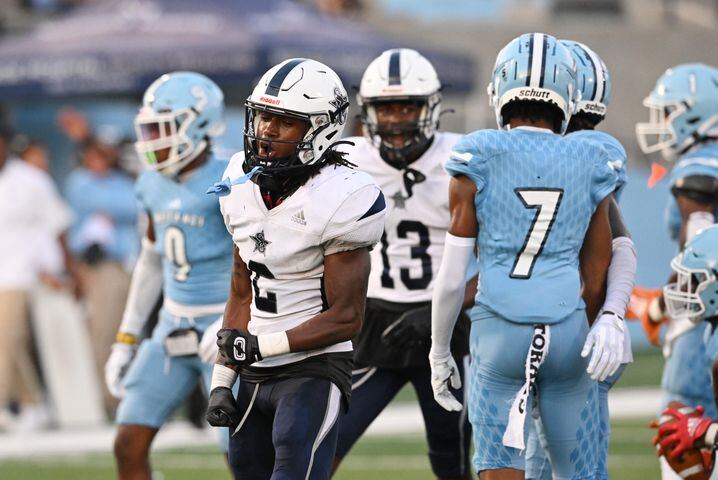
{"points": [[683, 127], [186, 254], [694, 297], [594, 83], [538, 203]]}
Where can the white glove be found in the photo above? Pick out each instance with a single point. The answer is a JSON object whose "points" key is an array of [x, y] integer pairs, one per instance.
{"points": [[208, 349], [116, 367], [606, 339], [444, 372]]}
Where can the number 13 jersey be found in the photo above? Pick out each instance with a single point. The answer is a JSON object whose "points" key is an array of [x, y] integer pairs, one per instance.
{"points": [[405, 264], [339, 209], [536, 194]]}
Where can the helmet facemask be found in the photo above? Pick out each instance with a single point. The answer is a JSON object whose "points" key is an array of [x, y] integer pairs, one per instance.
{"points": [[683, 298], [284, 174], [418, 134], [162, 140], [658, 134]]}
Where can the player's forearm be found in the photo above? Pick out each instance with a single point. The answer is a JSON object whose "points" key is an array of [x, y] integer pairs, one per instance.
{"points": [[336, 325], [346, 276], [237, 312], [449, 290], [145, 289]]}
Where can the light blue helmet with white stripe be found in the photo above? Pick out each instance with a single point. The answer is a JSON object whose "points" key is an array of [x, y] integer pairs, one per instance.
{"points": [[683, 110], [694, 295], [181, 112], [592, 79], [534, 67]]}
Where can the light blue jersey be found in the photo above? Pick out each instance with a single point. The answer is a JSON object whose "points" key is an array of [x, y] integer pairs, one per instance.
{"points": [[536, 194], [190, 234], [702, 161], [615, 150]]}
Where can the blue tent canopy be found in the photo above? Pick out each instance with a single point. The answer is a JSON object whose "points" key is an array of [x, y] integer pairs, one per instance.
{"points": [[120, 46]]}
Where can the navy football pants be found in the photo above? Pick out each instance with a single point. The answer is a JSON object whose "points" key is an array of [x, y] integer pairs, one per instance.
{"points": [[288, 430]]}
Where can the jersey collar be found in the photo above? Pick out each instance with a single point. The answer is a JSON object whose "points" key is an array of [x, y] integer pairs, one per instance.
{"points": [[534, 129]]}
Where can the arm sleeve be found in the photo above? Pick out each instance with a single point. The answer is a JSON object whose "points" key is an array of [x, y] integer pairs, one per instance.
{"points": [[465, 159], [621, 276], [357, 223], [145, 289], [448, 294]]}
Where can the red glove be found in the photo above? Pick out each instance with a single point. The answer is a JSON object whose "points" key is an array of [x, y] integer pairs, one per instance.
{"points": [[682, 434]]}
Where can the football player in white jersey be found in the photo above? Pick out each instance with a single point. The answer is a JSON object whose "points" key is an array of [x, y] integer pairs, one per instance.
{"points": [[302, 229], [400, 99]]}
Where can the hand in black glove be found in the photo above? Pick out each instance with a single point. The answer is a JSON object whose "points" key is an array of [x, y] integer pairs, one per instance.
{"points": [[411, 329], [238, 347], [222, 408]]}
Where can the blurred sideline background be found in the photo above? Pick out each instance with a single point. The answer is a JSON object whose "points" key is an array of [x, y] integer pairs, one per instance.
{"points": [[71, 77]]}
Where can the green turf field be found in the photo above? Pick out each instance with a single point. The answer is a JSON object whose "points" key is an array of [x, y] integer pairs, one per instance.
{"points": [[397, 458]]}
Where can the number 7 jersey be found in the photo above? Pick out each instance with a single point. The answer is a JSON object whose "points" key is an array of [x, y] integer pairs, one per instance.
{"points": [[536, 194]]}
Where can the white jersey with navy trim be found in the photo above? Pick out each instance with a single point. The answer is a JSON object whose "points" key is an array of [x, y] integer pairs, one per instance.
{"points": [[404, 268], [339, 209]]}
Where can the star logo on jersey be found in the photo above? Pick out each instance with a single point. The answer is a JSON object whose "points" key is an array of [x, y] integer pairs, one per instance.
{"points": [[399, 200], [260, 243]]}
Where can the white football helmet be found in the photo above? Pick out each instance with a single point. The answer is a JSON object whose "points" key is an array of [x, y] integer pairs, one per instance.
{"points": [[181, 111], [399, 75], [304, 89]]}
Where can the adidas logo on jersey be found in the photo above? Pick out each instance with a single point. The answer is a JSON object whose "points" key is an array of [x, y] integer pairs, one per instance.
{"points": [[299, 218]]}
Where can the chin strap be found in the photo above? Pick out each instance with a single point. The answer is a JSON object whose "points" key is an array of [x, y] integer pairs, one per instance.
{"points": [[224, 187]]}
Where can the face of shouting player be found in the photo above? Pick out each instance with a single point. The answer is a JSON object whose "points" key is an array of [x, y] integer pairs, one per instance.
{"points": [[277, 135]]}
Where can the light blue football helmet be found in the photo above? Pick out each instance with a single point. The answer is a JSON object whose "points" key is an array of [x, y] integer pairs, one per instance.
{"points": [[534, 66], [181, 111], [592, 77], [683, 110], [694, 295]]}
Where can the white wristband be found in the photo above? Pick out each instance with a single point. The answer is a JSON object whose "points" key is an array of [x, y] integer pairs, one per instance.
{"points": [[222, 376], [272, 344]]}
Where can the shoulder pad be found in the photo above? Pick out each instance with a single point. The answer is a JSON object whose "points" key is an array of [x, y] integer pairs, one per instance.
{"points": [[234, 167]]}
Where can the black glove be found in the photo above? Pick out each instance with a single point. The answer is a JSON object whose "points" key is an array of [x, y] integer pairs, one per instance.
{"points": [[238, 347], [222, 408], [411, 329]]}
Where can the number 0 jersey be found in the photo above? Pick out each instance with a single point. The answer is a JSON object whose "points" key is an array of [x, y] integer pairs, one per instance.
{"points": [[339, 209], [189, 234], [536, 194], [404, 268]]}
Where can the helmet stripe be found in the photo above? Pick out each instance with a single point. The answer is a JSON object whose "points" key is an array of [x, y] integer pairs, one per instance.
{"points": [[395, 68], [599, 84], [537, 60], [543, 60], [275, 84], [531, 57]]}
